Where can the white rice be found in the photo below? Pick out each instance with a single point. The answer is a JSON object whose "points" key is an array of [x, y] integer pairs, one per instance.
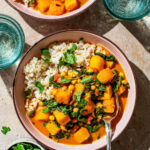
{"points": [[38, 70]]}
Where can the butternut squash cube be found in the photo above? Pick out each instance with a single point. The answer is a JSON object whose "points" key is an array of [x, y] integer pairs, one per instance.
{"points": [[61, 118], [63, 96], [78, 87], [52, 128], [97, 63], [109, 64], [105, 75], [109, 105], [108, 92], [56, 8], [90, 106], [71, 4], [121, 90], [40, 116], [43, 5], [81, 135]]}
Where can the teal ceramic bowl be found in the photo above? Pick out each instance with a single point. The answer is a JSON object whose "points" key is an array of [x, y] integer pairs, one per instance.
{"points": [[12, 41], [129, 10]]}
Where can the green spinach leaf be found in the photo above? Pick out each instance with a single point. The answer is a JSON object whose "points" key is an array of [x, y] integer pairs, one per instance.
{"points": [[45, 110], [87, 80], [56, 85], [63, 80]]}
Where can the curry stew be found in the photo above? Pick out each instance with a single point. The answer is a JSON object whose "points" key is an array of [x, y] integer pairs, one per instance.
{"points": [[81, 98]]}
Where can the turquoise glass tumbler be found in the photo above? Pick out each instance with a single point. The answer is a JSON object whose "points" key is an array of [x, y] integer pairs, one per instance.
{"points": [[12, 41], [129, 10]]}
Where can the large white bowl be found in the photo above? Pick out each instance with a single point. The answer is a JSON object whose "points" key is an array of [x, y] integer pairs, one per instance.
{"points": [[73, 35]]}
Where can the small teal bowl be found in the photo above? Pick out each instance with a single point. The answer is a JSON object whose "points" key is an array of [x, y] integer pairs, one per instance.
{"points": [[12, 41], [129, 10]]}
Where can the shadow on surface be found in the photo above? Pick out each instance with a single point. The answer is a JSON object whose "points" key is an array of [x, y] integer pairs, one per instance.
{"points": [[9, 73], [137, 134], [95, 19]]}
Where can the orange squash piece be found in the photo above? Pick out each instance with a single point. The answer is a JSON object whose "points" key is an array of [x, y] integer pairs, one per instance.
{"points": [[78, 87], [71, 4], [63, 96], [61, 118], [52, 128], [81, 135], [109, 64], [43, 5], [105, 75], [121, 90], [108, 93], [109, 105], [56, 8], [97, 63], [40, 116], [90, 107]]}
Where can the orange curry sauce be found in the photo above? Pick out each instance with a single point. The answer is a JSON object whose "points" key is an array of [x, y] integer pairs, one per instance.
{"points": [[122, 101]]}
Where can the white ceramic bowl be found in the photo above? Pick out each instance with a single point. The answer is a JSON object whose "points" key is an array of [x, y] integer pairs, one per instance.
{"points": [[36, 14], [72, 35]]}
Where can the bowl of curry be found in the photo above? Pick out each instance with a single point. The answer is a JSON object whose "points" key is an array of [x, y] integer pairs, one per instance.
{"points": [[51, 10], [66, 84]]}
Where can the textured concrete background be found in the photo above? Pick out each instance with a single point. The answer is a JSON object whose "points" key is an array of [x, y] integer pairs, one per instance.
{"points": [[132, 37]]}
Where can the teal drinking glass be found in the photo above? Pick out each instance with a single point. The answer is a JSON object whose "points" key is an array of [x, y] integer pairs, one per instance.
{"points": [[12, 41], [129, 10]]}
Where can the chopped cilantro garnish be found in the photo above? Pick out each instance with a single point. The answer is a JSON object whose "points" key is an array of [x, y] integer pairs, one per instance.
{"points": [[45, 52], [40, 86], [55, 84], [72, 50], [45, 110], [5, 129], [69, 57]]}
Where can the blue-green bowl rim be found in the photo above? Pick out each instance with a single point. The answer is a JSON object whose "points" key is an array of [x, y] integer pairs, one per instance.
{"points": [[126, 19], [22, 36]]}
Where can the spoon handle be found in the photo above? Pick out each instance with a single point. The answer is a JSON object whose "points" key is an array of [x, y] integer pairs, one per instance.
{"points": [[108, 134]]}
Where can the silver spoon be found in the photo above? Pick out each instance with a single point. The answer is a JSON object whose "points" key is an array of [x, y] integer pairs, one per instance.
{"points": [[108, 120]]}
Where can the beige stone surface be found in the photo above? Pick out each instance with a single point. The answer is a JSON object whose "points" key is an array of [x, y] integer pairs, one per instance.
{"points": [[137, 135]]}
